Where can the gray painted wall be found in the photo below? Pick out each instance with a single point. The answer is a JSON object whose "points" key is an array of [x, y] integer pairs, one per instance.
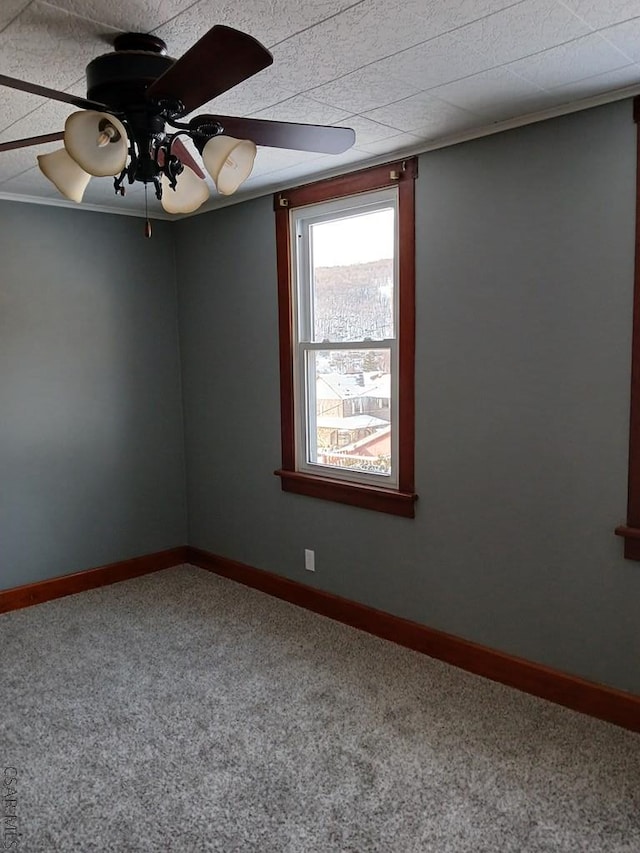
{"points": [[91, 440], [524, 294]]}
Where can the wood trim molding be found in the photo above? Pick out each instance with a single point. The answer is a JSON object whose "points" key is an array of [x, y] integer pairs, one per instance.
{"points": [[630, 530], [631, 536], [285, 335], [46, 590], [587, 697], [401, 500], [390, 501], [365, 180], [407, 337]]}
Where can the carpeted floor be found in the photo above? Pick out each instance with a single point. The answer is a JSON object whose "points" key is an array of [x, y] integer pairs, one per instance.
{"points": [[183, 712]]}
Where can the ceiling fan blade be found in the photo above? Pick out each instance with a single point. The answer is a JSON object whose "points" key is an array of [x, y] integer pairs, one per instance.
{"points": [[53, 94], [31, 140], [283, 134], [220, 60], [183, 154]]}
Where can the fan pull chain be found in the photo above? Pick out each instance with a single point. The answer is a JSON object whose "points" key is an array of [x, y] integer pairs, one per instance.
{"points": [[147, 225]]}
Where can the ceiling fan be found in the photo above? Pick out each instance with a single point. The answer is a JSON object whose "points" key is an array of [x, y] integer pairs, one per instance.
{"points": [[131, 121]]}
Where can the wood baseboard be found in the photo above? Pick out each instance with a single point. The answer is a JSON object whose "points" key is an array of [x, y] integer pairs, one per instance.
{"points": [[587, 697], [36, 593]]}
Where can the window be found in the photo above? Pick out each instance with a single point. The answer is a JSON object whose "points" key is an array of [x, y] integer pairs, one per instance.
{"points": [[346, 279]]}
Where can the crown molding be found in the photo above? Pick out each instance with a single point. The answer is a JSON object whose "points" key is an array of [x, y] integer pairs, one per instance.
{"points": [[92, 208]]}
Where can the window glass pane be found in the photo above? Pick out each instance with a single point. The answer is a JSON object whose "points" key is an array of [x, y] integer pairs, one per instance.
{"points": [[349, 409], [353, 277]]}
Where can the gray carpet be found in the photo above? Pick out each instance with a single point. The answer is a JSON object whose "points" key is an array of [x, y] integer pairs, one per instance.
{"points": [[183, 712]]}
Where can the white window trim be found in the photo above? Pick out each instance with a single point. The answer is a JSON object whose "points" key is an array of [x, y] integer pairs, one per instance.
{"points": [[304, 403]]}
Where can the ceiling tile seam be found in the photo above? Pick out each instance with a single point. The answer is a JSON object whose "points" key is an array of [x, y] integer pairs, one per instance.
{"points": [[372, 120], [431, 89], [75, 82], [273, 174], [551, 90], [623, 56], [110, 26], [79, 17], [609, 42], [289, 98], [487, 15], [16, 16], [427, 41], [39, 107], [328, 104], [469, 112], [584, 20], [368, 65], [554, 89], [187, 9], [600, 30], [414, 14], [173, 17], [513, 73], [478, 116], [317, 156], [428, 92], [22, 117], [317, 23], [482, 117], [17, 175], [473, 20], [373, 62], [503, 66]]}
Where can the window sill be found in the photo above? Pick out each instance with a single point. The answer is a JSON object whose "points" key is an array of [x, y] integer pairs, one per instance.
{"points": [[354, 494]]}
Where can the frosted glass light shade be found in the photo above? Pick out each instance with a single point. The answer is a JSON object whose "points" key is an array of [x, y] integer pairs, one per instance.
{"points": [[69, 178], [229, 161], [97, 142], [190, 192]]}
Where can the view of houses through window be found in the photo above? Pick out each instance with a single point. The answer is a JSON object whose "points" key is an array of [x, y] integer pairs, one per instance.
{"points": [[353, 410]]}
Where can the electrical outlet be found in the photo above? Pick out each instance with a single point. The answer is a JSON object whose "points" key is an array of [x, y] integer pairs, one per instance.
{"points": [[309, 560]]}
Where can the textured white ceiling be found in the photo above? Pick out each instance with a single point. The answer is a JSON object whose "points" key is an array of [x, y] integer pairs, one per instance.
{"points": [[405, 75]]}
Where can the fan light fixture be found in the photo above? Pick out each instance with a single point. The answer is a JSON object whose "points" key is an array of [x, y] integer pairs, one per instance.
{"points": [[190, 192], [229, 161], [97, 142], [64, 173]]}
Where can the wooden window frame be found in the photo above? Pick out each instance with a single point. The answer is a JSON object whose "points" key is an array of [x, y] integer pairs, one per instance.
{"points": [[399, 500], [631, 530]]}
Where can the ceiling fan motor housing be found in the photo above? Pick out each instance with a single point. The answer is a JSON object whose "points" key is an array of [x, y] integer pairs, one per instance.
{"points": [[120, 79]]}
